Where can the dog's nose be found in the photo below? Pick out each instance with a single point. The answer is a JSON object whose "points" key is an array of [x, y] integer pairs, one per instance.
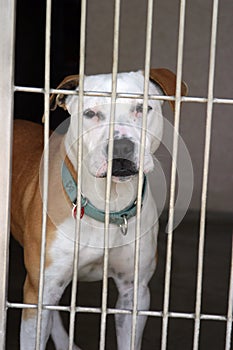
{"points": [[123, 155], [123, 148]]}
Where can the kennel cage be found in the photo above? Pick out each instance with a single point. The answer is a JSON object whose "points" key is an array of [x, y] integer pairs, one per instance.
{"points": [[165, 314]]}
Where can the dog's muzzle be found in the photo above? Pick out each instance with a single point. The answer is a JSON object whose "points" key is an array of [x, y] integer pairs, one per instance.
{"points": [[123, 158]]}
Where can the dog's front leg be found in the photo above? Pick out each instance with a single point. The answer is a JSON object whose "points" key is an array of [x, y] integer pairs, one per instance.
{"points": [[124, 322], [29, 320], [53, 289], [28, 330]]}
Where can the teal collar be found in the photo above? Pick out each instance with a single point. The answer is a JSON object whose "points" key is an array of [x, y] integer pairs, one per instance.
{"points": [[119, 218]]}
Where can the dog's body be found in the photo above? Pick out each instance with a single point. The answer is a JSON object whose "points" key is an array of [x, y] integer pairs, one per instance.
{"points": [[27, 204]]}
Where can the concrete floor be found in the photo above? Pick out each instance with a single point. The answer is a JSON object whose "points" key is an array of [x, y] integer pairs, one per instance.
{"points": [[183, 282]]}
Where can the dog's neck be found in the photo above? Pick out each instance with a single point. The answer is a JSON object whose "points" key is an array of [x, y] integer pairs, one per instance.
{"points": [[122, 195]]}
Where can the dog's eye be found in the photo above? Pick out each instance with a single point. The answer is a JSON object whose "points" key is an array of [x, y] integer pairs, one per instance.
{"points": [[139, 108], [89, 113]]}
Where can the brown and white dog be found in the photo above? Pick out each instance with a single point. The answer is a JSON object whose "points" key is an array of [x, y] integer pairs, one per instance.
{"points": [[26, 212]]}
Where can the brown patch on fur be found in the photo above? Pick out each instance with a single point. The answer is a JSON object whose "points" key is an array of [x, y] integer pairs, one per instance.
{"points": [[167, 81], [71, 168], [26, 201]]}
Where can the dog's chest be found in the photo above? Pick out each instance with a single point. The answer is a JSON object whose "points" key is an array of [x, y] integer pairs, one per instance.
{"points": [[91, 251], [91, 246]]}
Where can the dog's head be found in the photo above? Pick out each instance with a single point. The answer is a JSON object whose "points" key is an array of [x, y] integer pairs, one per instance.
{"points": [[128, 119]]}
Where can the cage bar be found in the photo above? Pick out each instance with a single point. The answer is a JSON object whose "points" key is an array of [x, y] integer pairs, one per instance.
{"points": [[7, 38], [127, 95], [45, 172], [79, 173], [109, 173], [173, 175], [140, 173], [205, 174]]}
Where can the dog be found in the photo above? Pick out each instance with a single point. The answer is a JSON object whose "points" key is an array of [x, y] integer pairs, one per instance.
{"points": [[26, 209]]}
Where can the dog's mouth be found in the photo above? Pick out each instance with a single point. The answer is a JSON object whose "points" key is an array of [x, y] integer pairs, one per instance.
{"points": [[122, 170]]}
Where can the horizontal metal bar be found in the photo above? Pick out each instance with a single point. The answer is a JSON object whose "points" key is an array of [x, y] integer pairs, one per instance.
{"points": [[29, 89], [189, 99], [183, 315], [213, 317], [112, 311], [185, 99], [78, 309], [223, 100]]}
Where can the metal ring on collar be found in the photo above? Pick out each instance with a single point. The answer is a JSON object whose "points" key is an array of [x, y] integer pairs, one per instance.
{"points": [[124, 226]]}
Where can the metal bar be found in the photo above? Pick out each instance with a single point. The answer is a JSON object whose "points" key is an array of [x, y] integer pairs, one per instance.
{"points": [[7, 38], [110, 311], [173, 174], [230, 305], [29, 89], [205, 174], [109, 173], [45, 171], [141, 176], [126, 95], [223, 100], [79, 172]]}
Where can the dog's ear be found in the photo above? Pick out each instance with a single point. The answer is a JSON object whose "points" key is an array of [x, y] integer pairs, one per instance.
{"points": [[69, 83], [167, 81]]}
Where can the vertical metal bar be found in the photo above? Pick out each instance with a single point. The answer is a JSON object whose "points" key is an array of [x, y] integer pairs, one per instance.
{"points": [[109, 173], [45, 170], [7, 38], [79, 172], [205, 174], [141, 163], [230, 305], [173, 174]]}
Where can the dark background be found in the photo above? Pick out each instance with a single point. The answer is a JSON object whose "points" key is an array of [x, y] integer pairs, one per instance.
{"points": [[30, 52]]}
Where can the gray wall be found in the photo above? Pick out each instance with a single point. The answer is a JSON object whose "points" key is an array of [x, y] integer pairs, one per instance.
{"points": [[195, 73]]}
